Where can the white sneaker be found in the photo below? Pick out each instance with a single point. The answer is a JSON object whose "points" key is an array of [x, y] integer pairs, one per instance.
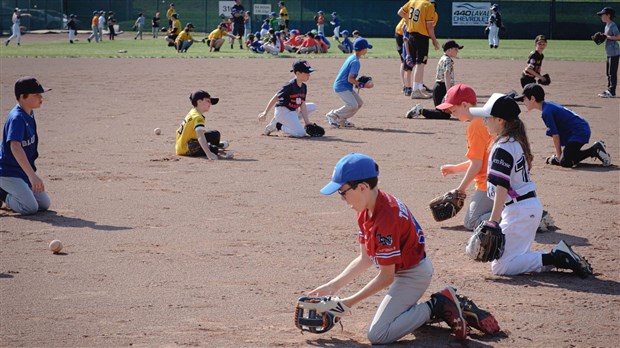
{"points": [[332, 119], [415, 111], [419, 94], [223, 145], [602, 154], [226, 154], [346, 124], [270, 128], [606, 94]]}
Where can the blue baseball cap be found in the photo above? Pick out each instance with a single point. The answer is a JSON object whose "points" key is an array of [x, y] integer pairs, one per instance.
{"points": [[344, 32], [354, 166], [360, 43]]}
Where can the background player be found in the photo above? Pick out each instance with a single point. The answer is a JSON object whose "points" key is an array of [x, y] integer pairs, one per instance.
{"points": [[343, 86], [495, 22], [534, 62], [238, 12], [419, 15], [514, 195], [192, 130], [16, 31], [570, 132], [290, 103], [612, 50]]}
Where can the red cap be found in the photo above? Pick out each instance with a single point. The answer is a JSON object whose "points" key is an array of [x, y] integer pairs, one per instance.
{"points": [[456, 95]]}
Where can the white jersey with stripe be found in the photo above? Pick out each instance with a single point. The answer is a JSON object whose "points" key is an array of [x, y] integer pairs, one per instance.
{"points": [[508, 168]]}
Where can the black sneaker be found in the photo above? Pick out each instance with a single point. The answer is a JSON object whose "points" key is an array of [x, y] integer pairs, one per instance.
{"points": [[279, 126], [565, 257], [601, 153]]}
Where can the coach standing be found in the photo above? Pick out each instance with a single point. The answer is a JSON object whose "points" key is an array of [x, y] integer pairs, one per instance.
{"points": [[419, 15], [238, 14]]}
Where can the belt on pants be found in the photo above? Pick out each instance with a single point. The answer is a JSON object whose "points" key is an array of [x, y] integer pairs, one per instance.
{"points": [[530, 194]]}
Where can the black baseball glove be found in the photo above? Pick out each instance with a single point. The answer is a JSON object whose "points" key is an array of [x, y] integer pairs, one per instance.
{"points": [[363, 81], [486, 30], [318, 314], [447, 205], [599, 38], [487, 242], [545, 81], [314, 130]]}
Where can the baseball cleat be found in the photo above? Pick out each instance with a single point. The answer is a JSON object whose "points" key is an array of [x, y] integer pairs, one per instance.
{"points": [[606, 94], [270, 128], [446, 307], [346, 124], [415, 111], [601, 153], [546, 223], [332, 119], [419, 94], [565, 257], [223, 145], [476, 317]]}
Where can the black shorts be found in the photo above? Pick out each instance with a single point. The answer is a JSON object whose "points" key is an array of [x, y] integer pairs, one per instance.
{"points": [[399, 46], [239, 30], [527, 79], [418, 47]]}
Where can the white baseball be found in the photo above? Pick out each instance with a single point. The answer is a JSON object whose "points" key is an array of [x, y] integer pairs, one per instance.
{"points": [[55, 246], [157, 131]]}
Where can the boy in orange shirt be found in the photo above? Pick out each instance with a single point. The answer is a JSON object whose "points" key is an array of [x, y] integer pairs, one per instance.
{"points": [[458, 101]]}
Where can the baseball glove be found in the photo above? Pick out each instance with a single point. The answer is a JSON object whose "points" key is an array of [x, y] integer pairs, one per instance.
{"points": [[363, 81], [486, 30], [314, 130], [554, 160], [487, 242], [599, 38], [194, 148], [447, 205], [409, 61], [318, 314], [545, 81]]}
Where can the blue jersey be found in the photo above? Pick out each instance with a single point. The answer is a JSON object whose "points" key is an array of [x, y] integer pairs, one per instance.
{"points": [[565, 123], [350, 67], [22, 128], [348, 45], [336, 21]]}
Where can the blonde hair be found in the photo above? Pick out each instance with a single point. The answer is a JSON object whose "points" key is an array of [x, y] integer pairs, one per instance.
{"points": [[516, 129]]}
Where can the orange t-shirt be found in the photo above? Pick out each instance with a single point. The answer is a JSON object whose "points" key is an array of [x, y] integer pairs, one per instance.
{"points": [[478, 141]]}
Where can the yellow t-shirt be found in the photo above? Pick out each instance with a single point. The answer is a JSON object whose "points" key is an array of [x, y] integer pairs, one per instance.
{"points": [[478, 141], [400, 26], [217, 34], [419, 12], [284, 13], [170, 12], [183, 36], [176, 24], [187, 130]]}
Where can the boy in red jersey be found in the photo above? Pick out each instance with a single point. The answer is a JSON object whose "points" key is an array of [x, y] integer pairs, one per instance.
{"points": [[392, 240]]}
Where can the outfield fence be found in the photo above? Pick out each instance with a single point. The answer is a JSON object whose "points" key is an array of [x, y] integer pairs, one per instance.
{"points": [[568, 20]]}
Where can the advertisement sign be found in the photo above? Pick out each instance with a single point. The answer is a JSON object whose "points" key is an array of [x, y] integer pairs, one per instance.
{"points": [[470, 13], [262, 9]]}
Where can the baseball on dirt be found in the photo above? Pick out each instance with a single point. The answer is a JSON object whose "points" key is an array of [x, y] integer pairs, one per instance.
{"points": [[55, 246], [157, 131]]}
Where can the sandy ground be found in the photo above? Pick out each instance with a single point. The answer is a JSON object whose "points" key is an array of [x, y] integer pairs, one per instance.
{"points": [[167, 251]]}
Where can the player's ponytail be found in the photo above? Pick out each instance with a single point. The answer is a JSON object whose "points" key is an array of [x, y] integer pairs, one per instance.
{"points": [[516, 129]]}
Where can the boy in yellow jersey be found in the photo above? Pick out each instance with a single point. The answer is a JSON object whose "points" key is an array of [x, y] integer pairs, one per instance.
{"points": [[171, 11], [174, 30], [420, 17], [284, 15], [216, 38], [193, 138], [185, 40]]}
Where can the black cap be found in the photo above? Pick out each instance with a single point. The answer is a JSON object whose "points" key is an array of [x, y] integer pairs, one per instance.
{"points": [[302, 65], [451, 44], [189, 25], [175, 15], [200, 94], [531, 89], [607, 10], [28, 85], [540, 38], [498, 105]]}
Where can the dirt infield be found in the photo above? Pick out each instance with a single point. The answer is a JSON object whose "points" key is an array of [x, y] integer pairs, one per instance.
{"points": [[168, 251]]}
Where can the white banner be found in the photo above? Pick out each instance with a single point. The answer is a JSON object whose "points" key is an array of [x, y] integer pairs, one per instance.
{"points": [[470, 13], [225, 7], [262, 9]]}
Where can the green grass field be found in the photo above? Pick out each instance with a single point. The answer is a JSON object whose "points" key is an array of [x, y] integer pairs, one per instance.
{"points": [[383, 48]]}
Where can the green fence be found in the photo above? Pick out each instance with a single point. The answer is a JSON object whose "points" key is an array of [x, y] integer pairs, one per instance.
{"points": [[373, 18]]}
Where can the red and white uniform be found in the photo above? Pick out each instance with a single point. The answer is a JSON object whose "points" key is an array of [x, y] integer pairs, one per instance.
{"points": [[393, 236]]}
